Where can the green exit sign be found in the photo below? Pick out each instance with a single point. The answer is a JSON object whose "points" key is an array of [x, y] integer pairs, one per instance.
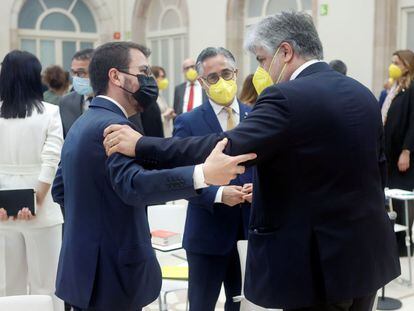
{"points": [[323, 10]]}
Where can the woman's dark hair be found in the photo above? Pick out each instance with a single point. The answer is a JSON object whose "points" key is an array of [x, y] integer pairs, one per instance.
{"points": [[248, 93], [20, 85], [56, 78], [156, 71]]}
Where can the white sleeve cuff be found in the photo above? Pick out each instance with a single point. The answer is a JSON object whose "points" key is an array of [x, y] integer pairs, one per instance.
{"points": [[198, 177], [219, 195]]}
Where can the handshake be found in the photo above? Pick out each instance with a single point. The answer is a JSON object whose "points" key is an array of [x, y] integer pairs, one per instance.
{"points": [[233, 195]]}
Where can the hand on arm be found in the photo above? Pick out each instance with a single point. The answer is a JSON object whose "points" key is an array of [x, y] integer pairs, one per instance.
{"points": [[120, 138], [232, 195]]}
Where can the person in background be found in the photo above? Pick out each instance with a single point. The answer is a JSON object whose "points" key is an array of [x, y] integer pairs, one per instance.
{"points": [[152, 121], [218, 216], [398, 118], [248, 94], [339, 66], [57, 81], [189, 94], [384, 92], [31, 140], [77, 102], [167, 113]]}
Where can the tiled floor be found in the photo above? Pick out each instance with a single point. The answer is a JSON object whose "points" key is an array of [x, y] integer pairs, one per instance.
{"points": [[176, 301]]}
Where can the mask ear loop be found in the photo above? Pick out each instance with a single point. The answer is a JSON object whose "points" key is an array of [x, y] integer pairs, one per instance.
{"points": [[273, 59]]}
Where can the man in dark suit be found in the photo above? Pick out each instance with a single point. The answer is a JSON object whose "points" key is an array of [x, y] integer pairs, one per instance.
{"points": [[74, 104], [189, 94], [107, 262], [219, 215], [319, 235]]}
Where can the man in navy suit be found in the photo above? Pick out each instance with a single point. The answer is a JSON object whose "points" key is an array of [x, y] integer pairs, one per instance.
{"points": [[319, 235], [107, 262], [218, 217]]}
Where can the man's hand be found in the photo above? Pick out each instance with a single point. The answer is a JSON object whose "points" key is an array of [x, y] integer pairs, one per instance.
{"points": [[219, 168], [232, 195], [404, 161], [120, 138], [248, 192]]}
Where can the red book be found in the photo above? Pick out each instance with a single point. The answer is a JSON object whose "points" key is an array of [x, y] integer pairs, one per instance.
{"points": [[165, 238]]}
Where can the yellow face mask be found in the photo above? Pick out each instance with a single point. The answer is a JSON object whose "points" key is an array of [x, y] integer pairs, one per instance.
{"points": [[223, 92], [262, 78], [162, 84], [191, 75], [394, 72]]}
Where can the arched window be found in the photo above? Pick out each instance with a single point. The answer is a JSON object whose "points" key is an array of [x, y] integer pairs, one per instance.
{"points": [[167, 37], [256, 10], [54, 30]]}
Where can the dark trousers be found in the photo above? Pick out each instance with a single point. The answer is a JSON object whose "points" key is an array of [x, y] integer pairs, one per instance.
{"points": [[206, 274], [357, 304]]}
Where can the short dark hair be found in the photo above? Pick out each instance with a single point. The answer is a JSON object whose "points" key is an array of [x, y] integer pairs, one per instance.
{"points": [[156, 71], [107, 56], [212, 52], [20, 85], [339, 66], [85, 54], [56, 78]]}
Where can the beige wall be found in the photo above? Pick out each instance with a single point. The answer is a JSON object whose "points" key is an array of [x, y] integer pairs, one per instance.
{"points": [[347, 33], [353, 30]]}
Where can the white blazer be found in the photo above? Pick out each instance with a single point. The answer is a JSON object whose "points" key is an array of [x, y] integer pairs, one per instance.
{"points": [[30, 152]]}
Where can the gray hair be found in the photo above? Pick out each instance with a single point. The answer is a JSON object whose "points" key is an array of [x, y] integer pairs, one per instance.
{"points": [[212, 52], [295, 28]]}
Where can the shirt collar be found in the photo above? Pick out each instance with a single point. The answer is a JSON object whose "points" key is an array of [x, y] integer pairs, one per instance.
{"points": [[303, 67], [196, 83], [115, 103], [218, 108]]}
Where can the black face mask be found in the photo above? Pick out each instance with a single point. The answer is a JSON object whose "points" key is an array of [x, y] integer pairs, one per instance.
{"points": [[147, 93]]}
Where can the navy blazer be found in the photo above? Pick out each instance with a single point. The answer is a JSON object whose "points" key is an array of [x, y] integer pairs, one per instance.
{"points": [[319, 231], [106, 261], [212, 228]]}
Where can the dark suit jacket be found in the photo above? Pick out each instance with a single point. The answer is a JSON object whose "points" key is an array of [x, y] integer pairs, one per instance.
{"points": [[179, 93], [217, 225], [71, 109], [152, 121], [106, 261], [318, 229]]}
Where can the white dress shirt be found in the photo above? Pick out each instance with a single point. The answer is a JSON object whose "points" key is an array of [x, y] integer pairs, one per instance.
{"points": [[303, 67], [198, 175], [30, 152], [198, 95], [222, 116]]}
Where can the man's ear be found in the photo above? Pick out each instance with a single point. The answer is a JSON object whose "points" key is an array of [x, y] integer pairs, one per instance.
{"points": [[114, 77], [287, 51]]}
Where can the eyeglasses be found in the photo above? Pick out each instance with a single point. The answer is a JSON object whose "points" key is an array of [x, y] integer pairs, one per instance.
{"points": [[79, 73], [226, 74], [143, 70]]}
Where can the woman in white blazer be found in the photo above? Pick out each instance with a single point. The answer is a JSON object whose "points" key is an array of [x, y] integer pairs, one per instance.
{"points": [[31, 140]]}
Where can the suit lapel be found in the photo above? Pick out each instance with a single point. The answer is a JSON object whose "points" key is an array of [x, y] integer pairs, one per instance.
{"points": [[243, 111], [210, 117]]}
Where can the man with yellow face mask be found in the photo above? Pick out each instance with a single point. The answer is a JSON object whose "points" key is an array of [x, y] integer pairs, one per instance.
{"points": [[189, 94], [218, 217], [319, 235]]}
